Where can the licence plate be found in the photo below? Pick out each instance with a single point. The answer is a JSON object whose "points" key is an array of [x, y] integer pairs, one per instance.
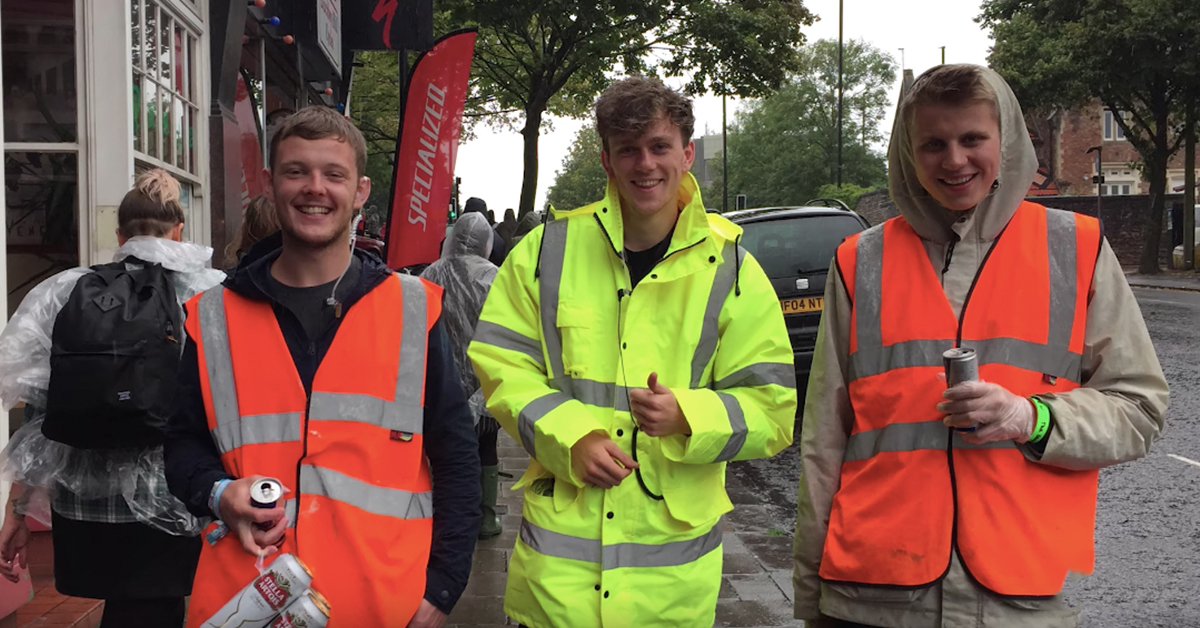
{"points": [[801, 305]]}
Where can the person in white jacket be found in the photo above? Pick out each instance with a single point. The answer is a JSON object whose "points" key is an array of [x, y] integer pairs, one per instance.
{"points": [[119, 534]]}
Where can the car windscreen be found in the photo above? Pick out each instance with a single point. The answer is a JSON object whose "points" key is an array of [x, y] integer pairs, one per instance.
{"points": [[786, 247]]}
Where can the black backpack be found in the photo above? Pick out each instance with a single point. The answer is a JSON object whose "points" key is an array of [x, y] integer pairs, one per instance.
{"points": [[113, 358]]}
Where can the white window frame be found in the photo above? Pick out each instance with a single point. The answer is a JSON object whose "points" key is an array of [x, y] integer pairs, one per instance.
{"points": [[1112, 131]]}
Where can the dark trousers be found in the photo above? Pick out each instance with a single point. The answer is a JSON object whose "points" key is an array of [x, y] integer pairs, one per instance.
{"points": [[155, 613]]}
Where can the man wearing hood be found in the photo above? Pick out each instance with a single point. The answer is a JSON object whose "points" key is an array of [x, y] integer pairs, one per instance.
{"points": [[922, 506], [632, 348], [317, 366]]}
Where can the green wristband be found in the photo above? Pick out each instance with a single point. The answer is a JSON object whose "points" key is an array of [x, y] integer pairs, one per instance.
{"points": [[1041, 424]]}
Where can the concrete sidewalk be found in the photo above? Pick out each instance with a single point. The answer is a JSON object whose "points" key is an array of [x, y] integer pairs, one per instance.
{"points": [[756, 588], [1167, 280]]}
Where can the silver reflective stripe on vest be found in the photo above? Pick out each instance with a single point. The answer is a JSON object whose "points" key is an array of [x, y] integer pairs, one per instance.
{"points": [[258, 429], [723, 281], [532, 413], [410, 372], [327, 406], [737, 425], [505, 338], [872, 357], [289, 509], [219, 364], [388, 502], [554, 253], [901, 437], [620, 555], [761, 374]]}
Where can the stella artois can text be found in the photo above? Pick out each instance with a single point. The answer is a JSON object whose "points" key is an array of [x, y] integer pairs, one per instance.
{"points": [[308, 611], [260, 601]]}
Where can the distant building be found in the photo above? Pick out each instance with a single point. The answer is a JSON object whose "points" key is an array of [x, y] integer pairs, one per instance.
{"points": [[708, 155]]}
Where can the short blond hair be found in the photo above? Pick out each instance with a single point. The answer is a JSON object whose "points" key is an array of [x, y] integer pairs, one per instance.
{"points": [[152, 207], [957, 85]]}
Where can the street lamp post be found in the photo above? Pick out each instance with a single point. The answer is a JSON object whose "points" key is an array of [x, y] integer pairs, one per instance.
{"points": [[841, 14], [724, 161], [1098, 178]]}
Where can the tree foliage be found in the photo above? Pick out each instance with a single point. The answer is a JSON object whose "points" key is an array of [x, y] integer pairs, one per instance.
{"points": [[374, 109], [783, 148], [581, 179], [1135, 56], [539, 57]]}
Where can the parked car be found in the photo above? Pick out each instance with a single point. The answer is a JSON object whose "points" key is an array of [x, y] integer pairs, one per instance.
{"points": [[795, 246], [1177, 253]]}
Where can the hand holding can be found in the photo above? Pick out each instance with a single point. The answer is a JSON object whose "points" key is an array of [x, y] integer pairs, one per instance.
{"points": [[961, 365]]}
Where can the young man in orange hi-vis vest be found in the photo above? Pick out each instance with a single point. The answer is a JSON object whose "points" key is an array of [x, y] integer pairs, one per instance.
{"points": [[923, 506], [317, 366]]}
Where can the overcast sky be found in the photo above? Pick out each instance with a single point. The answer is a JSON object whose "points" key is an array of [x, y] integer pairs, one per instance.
{"points": [[491, 165]]}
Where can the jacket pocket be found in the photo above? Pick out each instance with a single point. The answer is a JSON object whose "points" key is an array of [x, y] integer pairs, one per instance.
{"points": [[577, 328], [875, 595], [694, 493]]}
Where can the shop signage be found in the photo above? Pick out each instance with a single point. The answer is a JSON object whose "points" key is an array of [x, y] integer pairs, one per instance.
{"points": [[329, 30]]}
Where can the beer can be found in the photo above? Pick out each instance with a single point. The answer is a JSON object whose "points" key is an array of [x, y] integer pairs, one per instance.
{"points": [[265, 493], [260, 601], [308, 611], [961, 365]]}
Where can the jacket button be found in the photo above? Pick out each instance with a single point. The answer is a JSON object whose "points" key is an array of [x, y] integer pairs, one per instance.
{"points": [[712, 258], [606, 595], [620, 432], [610, 515], [445, 595], [624, 346], [654, 276], [597, 587], [605, 210]]}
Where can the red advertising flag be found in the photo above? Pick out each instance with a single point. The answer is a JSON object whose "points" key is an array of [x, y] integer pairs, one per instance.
{"points": [[427, 149]]}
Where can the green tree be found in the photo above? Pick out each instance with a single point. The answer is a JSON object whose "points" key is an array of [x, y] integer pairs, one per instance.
{"points": [[1135, 56], [582, 179], [374, 108], [847, 193], [783, 148], [539, 57]]}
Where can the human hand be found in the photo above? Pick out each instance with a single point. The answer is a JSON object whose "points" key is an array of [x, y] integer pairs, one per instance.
{"points": [[428, 616], [248, 522], [656, 409], [14, 541], [600, 462], [997, 413]]}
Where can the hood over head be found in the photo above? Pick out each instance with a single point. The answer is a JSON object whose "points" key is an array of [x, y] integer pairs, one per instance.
{"points": [[1018, 166], [471, 235]]}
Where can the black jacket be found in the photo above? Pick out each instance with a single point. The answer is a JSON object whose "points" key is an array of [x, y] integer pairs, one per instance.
{"points": [[193, 464]]}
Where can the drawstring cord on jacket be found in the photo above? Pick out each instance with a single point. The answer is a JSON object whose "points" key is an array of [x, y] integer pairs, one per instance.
{"points": [[737, 266]]}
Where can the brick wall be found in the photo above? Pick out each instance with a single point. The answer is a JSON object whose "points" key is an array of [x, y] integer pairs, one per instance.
{"points": [[1123, 218]]}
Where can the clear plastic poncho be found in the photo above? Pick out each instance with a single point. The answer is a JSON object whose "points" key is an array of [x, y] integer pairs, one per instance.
{"points": [[46, 466], [465, 274]]}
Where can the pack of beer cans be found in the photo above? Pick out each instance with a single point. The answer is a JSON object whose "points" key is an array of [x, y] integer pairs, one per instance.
{"points": [[280, 597]]}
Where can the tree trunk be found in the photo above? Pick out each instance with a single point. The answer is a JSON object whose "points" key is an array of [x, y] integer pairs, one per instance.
{"points": [[1189, 187], [533, 123], [1158, 185]]}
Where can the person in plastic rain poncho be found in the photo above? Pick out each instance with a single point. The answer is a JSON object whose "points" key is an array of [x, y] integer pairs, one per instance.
{"points": [[119, 534], [466, 275]]}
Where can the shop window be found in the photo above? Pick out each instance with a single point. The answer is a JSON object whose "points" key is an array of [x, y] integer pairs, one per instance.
{"points": [[165, 102], [38, 42]]}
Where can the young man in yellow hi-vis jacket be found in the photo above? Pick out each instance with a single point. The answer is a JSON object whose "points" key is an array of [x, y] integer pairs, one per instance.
{"points": [[632, 337]]}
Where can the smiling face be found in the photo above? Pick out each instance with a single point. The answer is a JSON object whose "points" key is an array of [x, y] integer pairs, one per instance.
{"points": [[647, 168], [956, 150], [315, 187]]}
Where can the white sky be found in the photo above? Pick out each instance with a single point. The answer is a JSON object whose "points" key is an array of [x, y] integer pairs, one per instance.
{"points": [[491, 166]]}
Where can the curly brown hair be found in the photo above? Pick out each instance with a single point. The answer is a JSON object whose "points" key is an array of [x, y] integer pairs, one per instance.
{"points": [[634, 104]]}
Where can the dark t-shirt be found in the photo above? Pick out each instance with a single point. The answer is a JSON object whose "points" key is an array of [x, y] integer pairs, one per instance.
{"points": [[640, 263], [310, 305]]}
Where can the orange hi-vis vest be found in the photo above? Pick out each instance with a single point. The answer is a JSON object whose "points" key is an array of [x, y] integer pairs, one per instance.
{"points": [[912, 490], [360, 508]]}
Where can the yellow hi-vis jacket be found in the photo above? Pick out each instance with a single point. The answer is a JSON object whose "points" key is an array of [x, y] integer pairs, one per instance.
{"points": [[557, 348]]}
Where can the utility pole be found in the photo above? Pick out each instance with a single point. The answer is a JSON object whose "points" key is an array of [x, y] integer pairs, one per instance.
{"points": [[943, 55], [902, 66], [841, 16], [724, 161], [1189, 187]]}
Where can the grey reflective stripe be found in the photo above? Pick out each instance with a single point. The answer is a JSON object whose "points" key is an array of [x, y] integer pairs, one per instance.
{"points": [[1049, 359], [289, 509], [379, 500], [214, 333], [554, 252], [868, 286], [723, 281], [258, 429], [620, 555], [1060, 236], [410, 372], [761, 374], [327, 406], [505, 338], [899, 437], [737, 423], [534, 411]]}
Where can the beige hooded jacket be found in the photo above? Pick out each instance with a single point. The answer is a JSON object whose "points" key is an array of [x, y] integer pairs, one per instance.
{"points": [[1113, 418]]}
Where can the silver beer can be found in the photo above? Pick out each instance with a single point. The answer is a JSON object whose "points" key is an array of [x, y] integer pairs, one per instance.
{"points": [[310, 610], [961, 365], [260, 601]]}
